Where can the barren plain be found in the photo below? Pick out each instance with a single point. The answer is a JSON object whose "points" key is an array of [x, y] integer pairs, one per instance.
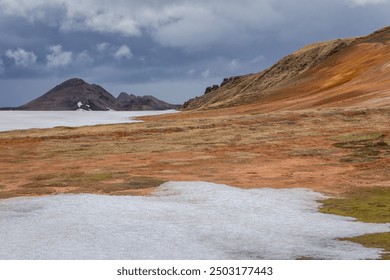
{"points": [[328, 150]]}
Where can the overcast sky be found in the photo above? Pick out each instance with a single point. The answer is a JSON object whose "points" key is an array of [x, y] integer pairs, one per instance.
{"points": [[171, 49]]}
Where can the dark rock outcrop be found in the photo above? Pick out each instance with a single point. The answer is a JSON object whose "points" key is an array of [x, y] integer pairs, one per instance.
{"points": [[211, 88]]}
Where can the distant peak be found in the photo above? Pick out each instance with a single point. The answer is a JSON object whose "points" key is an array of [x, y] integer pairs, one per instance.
{"points": [[123, 96], [73, 82]]}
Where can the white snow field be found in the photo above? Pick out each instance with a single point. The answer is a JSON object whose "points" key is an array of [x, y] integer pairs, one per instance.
{"points": [[12, 120], [181, 220]]}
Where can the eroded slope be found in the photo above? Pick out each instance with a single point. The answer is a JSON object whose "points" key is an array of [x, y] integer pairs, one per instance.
{"points": [[344, 72]]}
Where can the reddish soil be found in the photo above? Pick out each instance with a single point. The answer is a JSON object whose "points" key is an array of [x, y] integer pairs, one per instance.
{"points": [[328, 150]]}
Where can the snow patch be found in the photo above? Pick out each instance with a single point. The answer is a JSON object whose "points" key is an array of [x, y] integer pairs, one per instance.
{"points": [[79, 104], [181, 220], [11, 120]]}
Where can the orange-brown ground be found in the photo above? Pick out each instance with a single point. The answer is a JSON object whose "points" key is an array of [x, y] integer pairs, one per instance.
{"points": [[327, 150], [294, 125]]}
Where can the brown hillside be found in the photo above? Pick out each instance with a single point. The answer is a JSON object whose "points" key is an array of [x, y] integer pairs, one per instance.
{"points": [[337, 73]]}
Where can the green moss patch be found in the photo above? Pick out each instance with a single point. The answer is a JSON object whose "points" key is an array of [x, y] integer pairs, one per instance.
{"points": [[357, 137], [140, 183], [367, 205], [126, 187], [67, 179], [363, 147], [376, 240]]}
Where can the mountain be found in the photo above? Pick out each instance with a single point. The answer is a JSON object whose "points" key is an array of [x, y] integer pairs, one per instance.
{"points": [[138, 103], [73, 94], [76, 94], [337, 73]]}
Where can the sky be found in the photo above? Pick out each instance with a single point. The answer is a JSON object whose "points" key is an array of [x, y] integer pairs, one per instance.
{"points": [[167, 48]]}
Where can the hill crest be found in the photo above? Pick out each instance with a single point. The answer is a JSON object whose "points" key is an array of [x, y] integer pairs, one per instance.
{"points": [[315, 75]]}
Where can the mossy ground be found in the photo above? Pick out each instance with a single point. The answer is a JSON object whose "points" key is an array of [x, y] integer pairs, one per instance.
{"points": [[376, 240], [367, 205], [362, 146]]}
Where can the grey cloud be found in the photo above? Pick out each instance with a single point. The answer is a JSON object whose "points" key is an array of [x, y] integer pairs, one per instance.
{"points": [[103, 47], [168, 47], [123, 52], [367, 2], [172, 23], [21, 57], [118, 52], [1, 66], [84, 58], [197, 26], [58, 58], [194, 25]]}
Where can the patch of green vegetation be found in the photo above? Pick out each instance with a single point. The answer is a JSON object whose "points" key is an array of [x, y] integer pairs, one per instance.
{"points": [[310, 152], [44, 177], [366, 153], [67, 179], [357, 137], [361, 144], [122, 188], [87, 182], [96, 177], [376, 240], [36, 191], [142, 183], [364, 147], [367, 205]]}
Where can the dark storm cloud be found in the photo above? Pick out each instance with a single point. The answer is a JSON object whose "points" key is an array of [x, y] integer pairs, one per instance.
{"points": [[166, 48]]}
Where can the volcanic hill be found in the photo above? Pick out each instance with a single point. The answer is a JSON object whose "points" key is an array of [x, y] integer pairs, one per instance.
{"points": [[352, 72], [76, 94]]}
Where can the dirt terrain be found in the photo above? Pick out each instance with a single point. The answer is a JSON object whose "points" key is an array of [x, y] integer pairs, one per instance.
{"points": [[327, 150], [319, 118]]}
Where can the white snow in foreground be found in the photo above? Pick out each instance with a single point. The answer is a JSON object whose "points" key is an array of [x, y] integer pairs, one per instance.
{"points": [[181, 220], [13, 120]]}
